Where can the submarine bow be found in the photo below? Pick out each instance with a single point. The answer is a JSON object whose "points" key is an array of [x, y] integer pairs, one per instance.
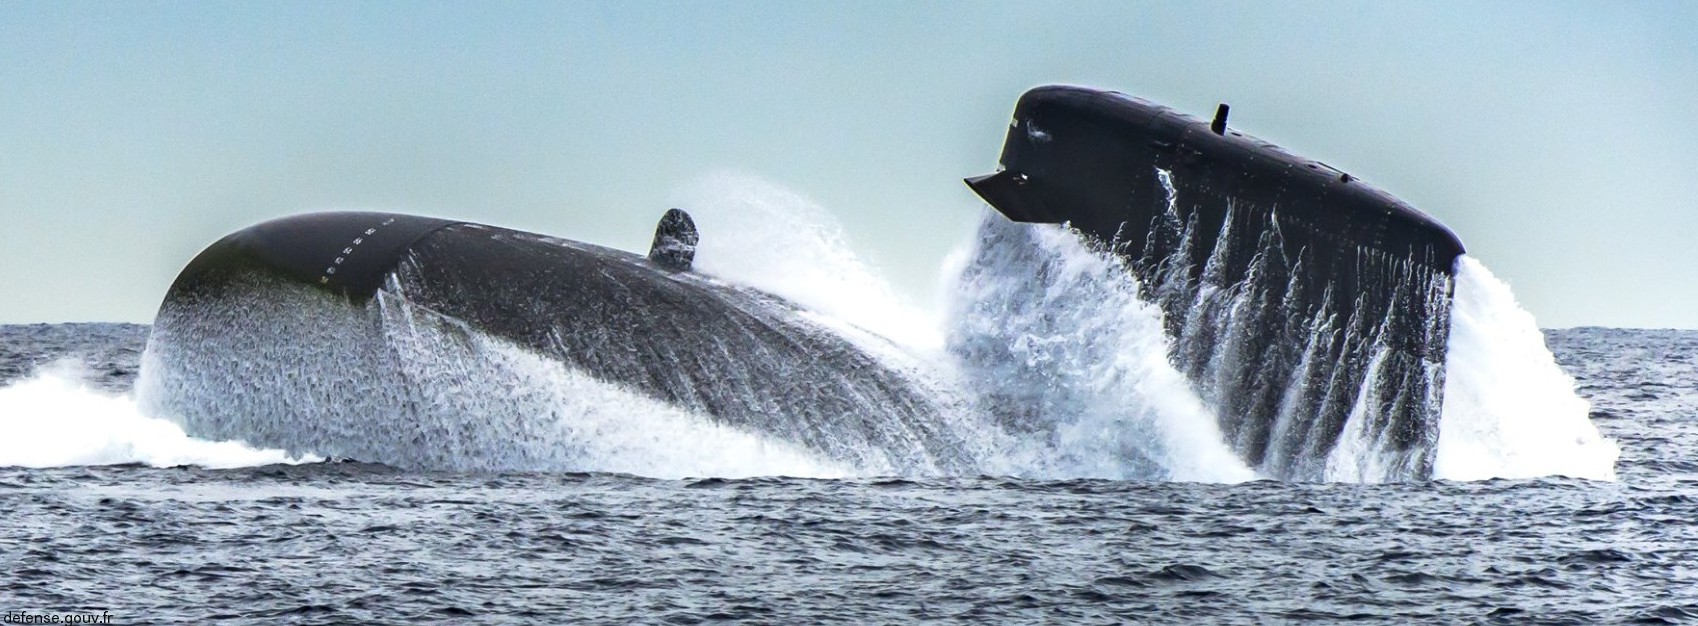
{"points": [[1309, 309], [302, 333]]}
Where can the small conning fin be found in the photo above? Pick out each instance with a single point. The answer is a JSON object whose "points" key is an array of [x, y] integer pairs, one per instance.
{"points": [[675, 241]]}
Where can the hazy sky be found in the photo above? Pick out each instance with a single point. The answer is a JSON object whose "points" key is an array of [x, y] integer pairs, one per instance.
{"points": [[1559, 140]]}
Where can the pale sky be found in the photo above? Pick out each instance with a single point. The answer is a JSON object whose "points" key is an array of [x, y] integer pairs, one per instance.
{"points": [[1559, 140]]}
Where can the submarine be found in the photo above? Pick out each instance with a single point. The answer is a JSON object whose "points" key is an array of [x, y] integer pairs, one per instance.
{"points": [[301, 333], [1310, 309]]}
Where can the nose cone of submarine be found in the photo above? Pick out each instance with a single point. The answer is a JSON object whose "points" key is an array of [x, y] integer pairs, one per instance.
{"points": [[1067, 155], [345, 252]]}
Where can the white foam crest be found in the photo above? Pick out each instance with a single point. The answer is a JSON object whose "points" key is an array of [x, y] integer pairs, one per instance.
{"points": [[1138, 371], [760, 234], [1509, 411], [1091, 356], [56, 419]]}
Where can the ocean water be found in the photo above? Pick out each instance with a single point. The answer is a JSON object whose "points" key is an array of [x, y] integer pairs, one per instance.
{"points": [[340, 542], [1564, 487]]}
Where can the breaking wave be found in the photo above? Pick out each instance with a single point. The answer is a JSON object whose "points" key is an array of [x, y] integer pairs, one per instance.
{"points": [[56, 418], [1075, 365]]}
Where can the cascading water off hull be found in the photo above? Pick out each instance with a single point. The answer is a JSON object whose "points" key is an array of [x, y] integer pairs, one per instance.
{"points": [[303, 332], [1308, 309]]}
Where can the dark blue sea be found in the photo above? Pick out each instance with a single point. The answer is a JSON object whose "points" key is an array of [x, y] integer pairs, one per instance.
{"points": [[102, 522]]}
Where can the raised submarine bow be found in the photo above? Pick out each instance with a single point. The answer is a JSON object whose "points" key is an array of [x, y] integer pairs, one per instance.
{"points": [[1310, 309]]}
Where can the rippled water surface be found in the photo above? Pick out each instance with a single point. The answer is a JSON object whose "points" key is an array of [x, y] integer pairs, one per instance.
{"points": [[348, 542]]}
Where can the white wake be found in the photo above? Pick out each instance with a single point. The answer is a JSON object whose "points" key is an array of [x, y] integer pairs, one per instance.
{"points": [[54, 418], [1509, 411]]}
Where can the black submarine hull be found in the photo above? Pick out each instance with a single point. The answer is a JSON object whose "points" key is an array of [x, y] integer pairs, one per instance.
{"points": [[293, 332], [1310, 309]]}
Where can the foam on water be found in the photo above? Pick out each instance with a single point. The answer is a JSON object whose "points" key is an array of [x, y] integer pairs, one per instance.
{"points": [[1509, 411], [56, 419]]}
